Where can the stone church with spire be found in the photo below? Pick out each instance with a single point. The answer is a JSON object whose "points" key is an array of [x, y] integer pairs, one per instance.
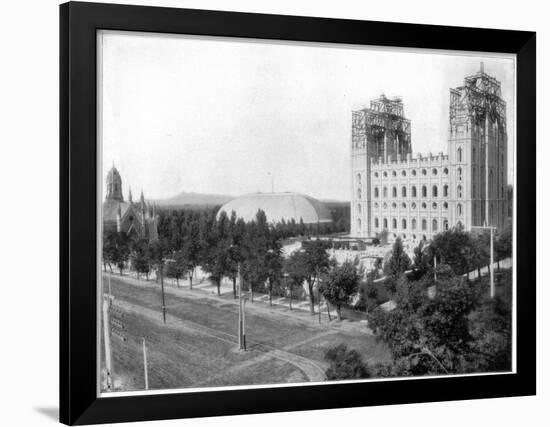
{"points": [[138, 220]]}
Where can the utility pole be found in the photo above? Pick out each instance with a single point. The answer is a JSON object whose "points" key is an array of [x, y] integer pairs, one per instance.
{"points": [[107, 343], [491, 262], [240, 321], [162, 291], [145, 369], [435, 269]]}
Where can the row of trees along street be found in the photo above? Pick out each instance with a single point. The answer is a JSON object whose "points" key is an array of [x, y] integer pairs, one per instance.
{"points": [[225, 246]]}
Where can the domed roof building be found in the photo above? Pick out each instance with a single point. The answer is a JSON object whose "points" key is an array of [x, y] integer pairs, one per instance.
{"points": [[278, 206]]}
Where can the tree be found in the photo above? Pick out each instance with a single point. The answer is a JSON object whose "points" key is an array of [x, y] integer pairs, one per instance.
{"points": [[140, 258], [316, 262], [116, 249], [158, 252], [456, 248], [191, 247], [382, 236], [340, 284], [427, 335], [273, 263], [345, 364], [295, 269], [397, 264], [237, 233], [178, 266], [216, 259]]}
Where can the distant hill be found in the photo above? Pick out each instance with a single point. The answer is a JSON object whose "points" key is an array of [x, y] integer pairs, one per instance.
{"points": [[194, 199]]}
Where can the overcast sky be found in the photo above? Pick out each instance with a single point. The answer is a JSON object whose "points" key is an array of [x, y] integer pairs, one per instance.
{"points": [[212, 115]]}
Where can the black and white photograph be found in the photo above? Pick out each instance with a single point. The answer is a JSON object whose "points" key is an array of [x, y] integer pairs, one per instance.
{"points": [[281, 213]]}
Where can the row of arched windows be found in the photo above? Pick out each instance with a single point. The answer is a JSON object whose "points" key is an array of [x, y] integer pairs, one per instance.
{"points": [[424, 172], [413, 224], [424, 191], [404, 205]]}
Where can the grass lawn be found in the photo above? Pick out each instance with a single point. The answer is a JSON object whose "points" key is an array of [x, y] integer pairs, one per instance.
{"points": [[197, 346]]}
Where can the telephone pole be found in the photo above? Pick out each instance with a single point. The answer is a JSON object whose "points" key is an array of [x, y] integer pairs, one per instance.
{"points": [[491, 262], [145, 369]]}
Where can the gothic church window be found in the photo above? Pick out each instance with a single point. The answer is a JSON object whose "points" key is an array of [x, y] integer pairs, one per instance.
{"points": [[434, 191], [459, 155], [403, 191]]}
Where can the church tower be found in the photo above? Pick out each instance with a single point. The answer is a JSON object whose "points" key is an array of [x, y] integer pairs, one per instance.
{"points": [[114, 186], [477, 151], [382, 134]]}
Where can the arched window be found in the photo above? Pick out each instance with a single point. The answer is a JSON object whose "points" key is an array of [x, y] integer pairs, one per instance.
{"points": [[413, 224], [376, 174], [358, 223], [459, 174], [413, 205], [404, 205], [358, 178], [446, 171], [394, 192], [359, 193], [434, 225], [434, 205], [459, 191], [424, 224], [394, 223], [445, 190], [385, 174], [423, 205], [403, 191], [413, 172], [385, 206], [394, 173], [459, 155], [385, 192], [434, 191], [403, 224], [459, 209], [434, 171], [376, 223], [358, 208], [394, 205], [474, 154], [413, 191], [445, 205], [385, 223], [424, 172], [445, 225], [424, 191], [376, 192], [403, 172], [375, 205]]}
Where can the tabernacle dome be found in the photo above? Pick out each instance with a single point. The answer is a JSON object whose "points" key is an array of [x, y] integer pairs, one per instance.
{"points": [[278, 206]]}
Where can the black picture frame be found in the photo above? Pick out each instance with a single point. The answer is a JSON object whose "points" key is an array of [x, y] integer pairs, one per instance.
{"points": [[79, 403]]}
